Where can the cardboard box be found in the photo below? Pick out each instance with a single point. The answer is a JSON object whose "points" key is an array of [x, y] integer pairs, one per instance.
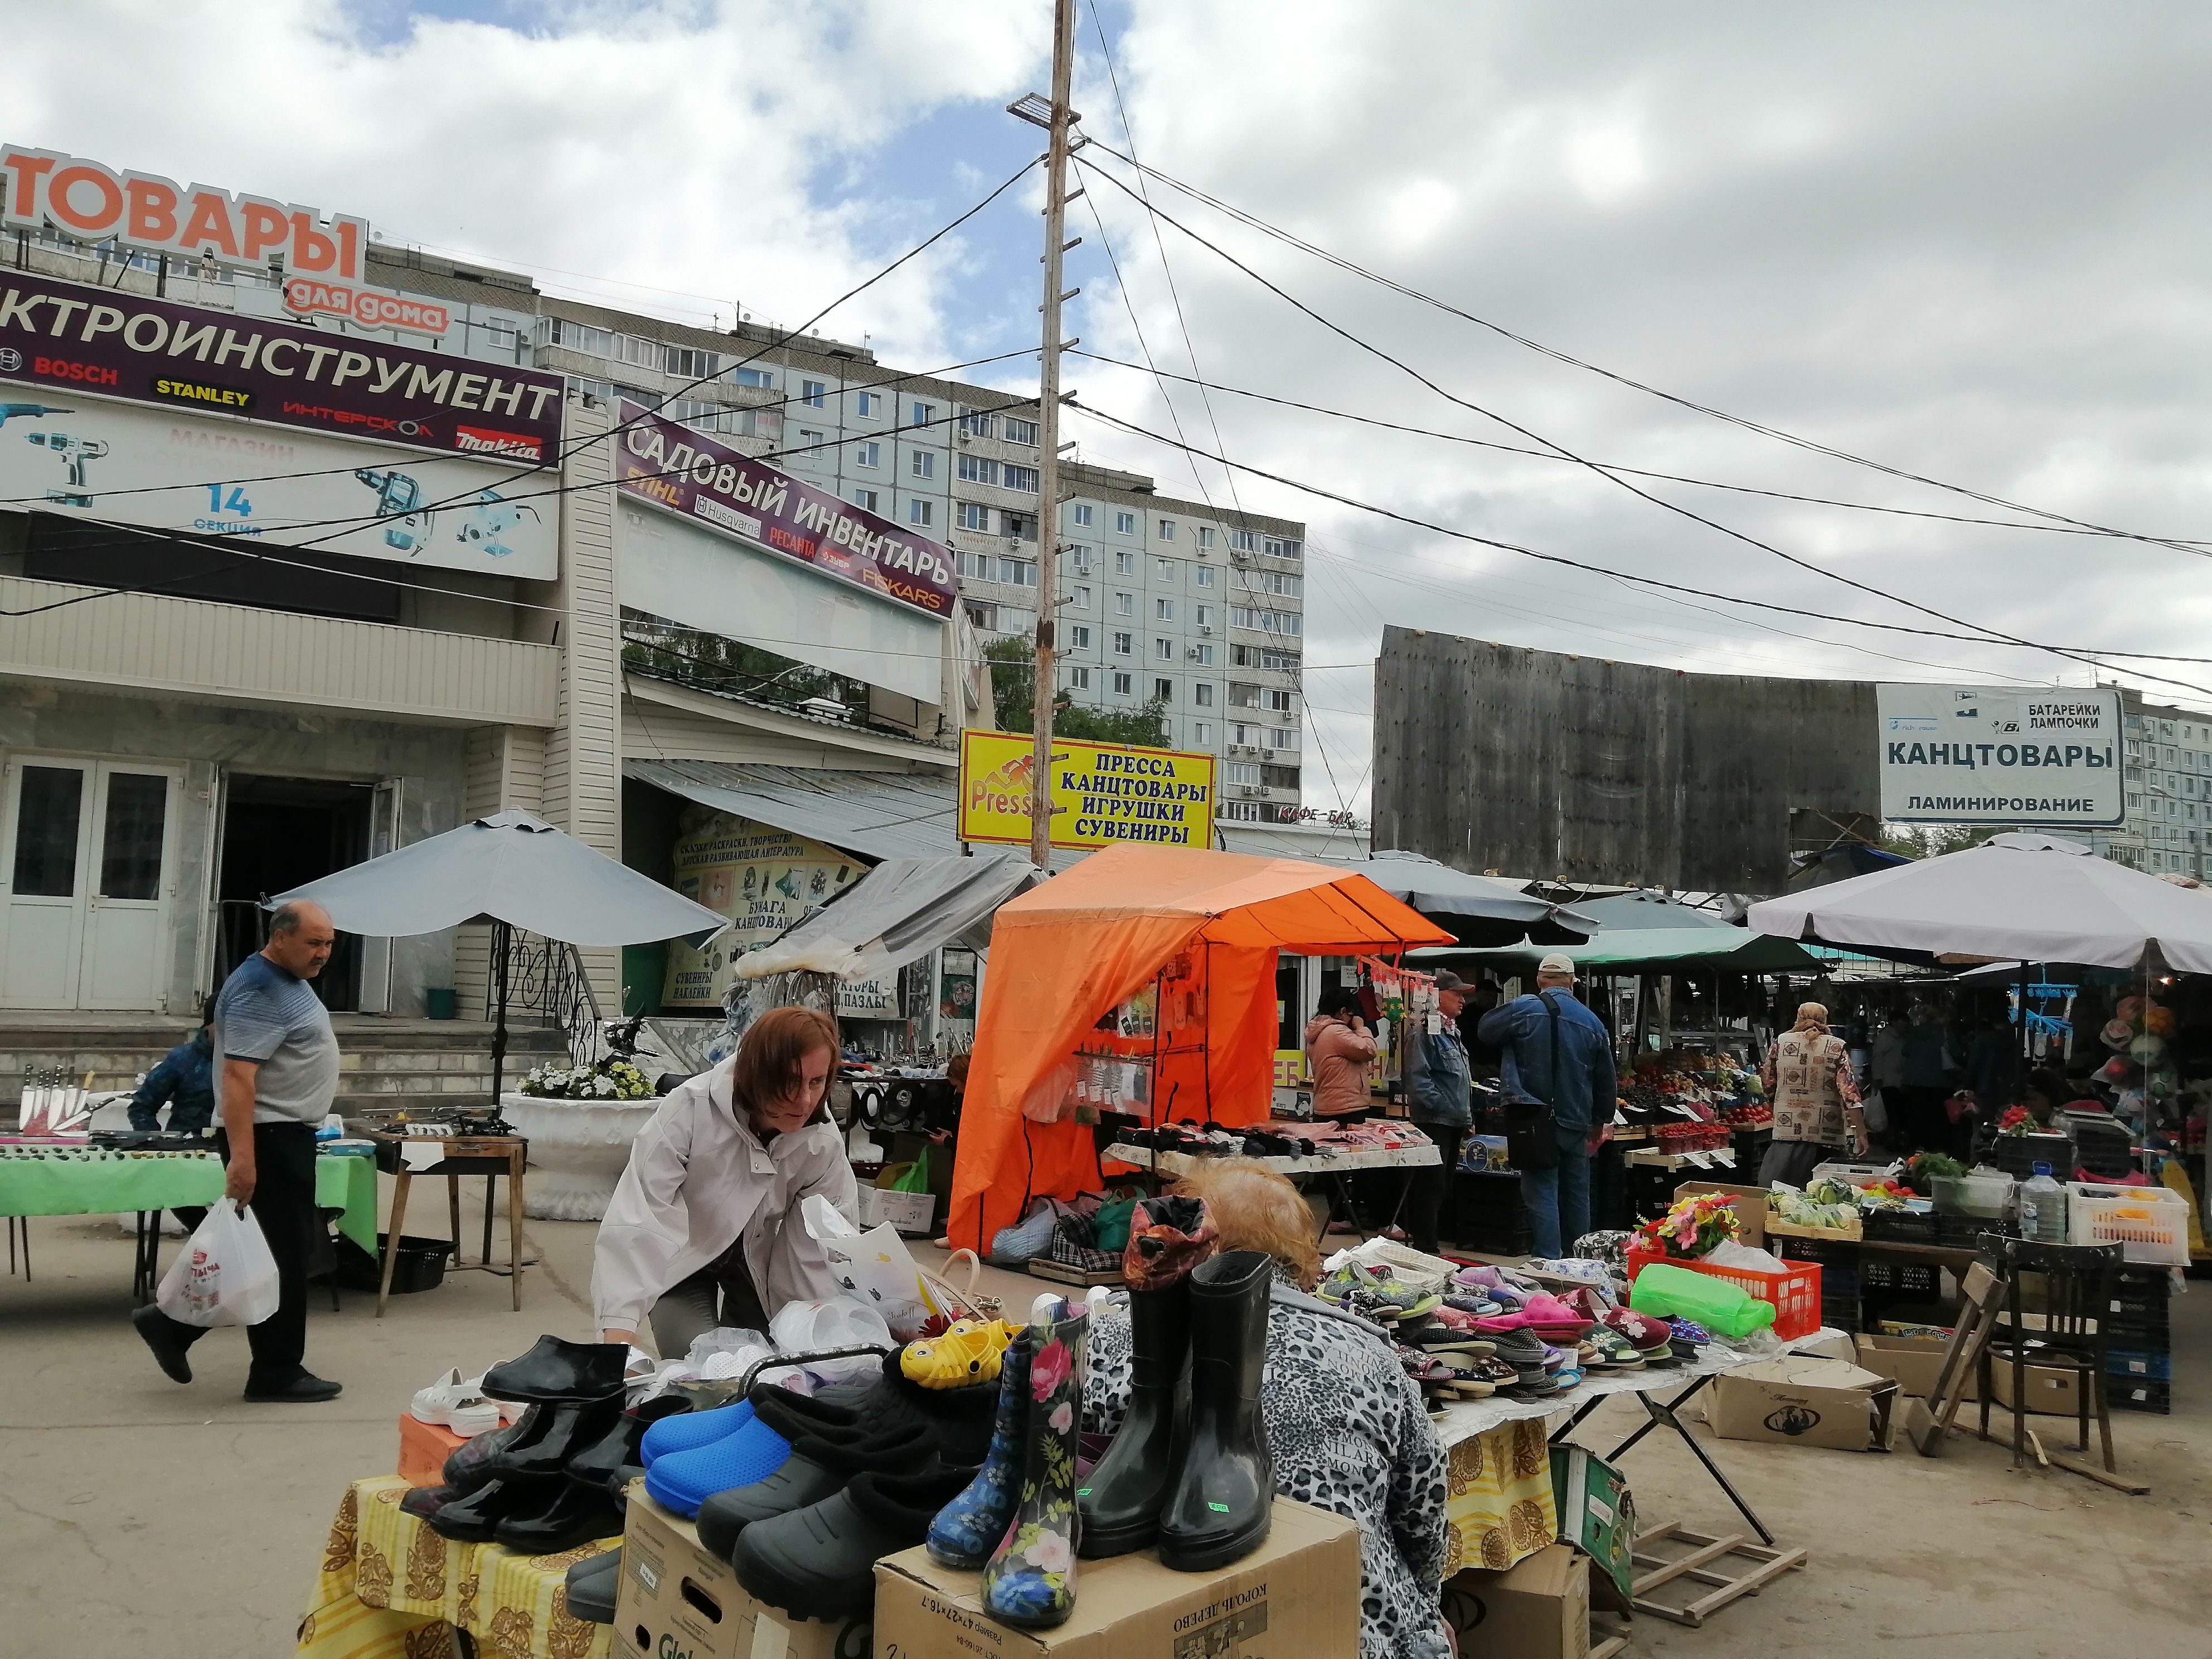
{"points": [[1538, 1609], [423, 1449], [1297, 1595], [908, 1212], [1749, 1204], [675, 1598], [1913, 1362], [1597, 1515], [1803, 1402], [2051, 1389]]}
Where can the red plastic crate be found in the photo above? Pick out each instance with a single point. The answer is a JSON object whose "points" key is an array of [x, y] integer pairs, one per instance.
{"points": [[1795, 1292]]}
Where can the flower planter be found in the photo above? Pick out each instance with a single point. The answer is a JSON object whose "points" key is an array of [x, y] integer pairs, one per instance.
{"points": [[578, 1151]]}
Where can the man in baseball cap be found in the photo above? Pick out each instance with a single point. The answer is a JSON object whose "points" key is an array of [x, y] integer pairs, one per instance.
{"points": [[1554, 1054], [1439, 1083]]}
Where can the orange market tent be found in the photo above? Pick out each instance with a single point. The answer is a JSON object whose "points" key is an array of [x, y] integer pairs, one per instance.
{"points": [[1078, 947]]}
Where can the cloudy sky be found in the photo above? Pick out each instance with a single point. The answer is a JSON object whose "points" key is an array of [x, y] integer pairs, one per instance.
{"points": [[1968, 241]]}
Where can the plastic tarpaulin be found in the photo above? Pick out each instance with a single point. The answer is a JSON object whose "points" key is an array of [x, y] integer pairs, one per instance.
{"points": [[1655, 950], [1085, 942], [510, 868], [902, 909], [2015, 898], [1484, 905]]}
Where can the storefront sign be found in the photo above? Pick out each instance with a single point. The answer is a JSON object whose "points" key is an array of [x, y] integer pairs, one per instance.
{"points": [[93, 203], [1971, 755], [365, 307], [1101, 793], [690, 474], [174, 468], [763, 878], [67, 337]]}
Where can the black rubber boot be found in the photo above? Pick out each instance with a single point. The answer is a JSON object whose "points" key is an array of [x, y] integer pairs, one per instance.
{"points": [[475, 1519], [570, 1428], [820, 1562], [572, 1516], [555, 1372], [612, 1462], [816, 1469], [593, 1587], [466, 1469], [1223, 1498], [1120, 1502]]}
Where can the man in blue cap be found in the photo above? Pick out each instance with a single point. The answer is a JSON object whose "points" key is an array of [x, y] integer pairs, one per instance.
{"points": [[1556, 1054]]}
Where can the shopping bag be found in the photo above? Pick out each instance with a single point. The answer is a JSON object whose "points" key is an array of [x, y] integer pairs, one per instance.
{"points": [[872, 1266], [225, 1275], [915, 1176]]}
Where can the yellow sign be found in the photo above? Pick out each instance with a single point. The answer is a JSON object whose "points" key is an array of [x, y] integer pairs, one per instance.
{"points": [[1101, 792]]}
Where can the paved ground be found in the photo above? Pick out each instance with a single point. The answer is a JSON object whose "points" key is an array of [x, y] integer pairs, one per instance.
{"points": [[138, 1518]]}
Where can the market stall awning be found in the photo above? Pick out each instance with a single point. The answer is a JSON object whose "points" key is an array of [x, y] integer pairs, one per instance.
{"points": [[1477, 910], [1075, 948], [1649, 950], [2019, 897], [902, 909]]}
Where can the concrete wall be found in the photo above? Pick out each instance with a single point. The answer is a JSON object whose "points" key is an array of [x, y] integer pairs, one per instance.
{"points": [[208, 739], [1492, 758]]}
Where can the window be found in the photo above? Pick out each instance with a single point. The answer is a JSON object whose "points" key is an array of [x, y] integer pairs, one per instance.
{"points": [[870, 404], [1243, 772], [864, 499], [763, 378], [636, 348], [1020, 573], [575, 337], [1125, 524], [1205, 615], [1201, 731], [1203, 575], [1022, 432], [1124, 644], [1276, 548], [924, 414], [1270, 581], [707, 417], [1020, 525], [1202, 694], [1243, 695], [1282, 737], [867, 454], [920, 512], [1125, 562], [1024, 478], [924, 463], [810, 439], [1243, 734], [1080, 513], [1279, 777], [1163, 690], [688, 364], [1202, 654], [1163, 609], [1078, 679], [1268, 622], [985, 616], [1164, 570], [1279, 699], [968, 515], [1163, 649], [1285, 661], [975, 470], [1125, 685], [975, 426], [1244, 541], [1167, 530], [1125, 605], [1206, 535], [977, 565], [1080, 597], [1078, 639], [1079, 559], [813, 394]]}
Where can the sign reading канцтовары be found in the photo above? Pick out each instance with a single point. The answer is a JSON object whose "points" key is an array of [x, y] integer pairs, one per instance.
{"points": [[1971, 755], [1100, 793]]}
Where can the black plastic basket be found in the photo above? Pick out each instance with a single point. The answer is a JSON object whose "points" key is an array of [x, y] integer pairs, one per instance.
{"points": [[2018, 1155], [1889, 1277], [418, 1265], [1902, 1226], [2131, 1396]]}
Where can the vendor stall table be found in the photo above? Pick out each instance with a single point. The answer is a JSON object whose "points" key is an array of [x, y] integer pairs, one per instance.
{"points": [[405, 1157], [1176, 1165], [95, 1181]]}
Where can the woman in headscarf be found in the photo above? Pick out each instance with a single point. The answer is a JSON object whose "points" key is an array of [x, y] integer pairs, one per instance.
{"points": [[1817, 1115]]}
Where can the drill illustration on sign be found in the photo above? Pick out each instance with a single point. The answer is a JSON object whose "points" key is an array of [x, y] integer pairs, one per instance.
{"points": [[400, 495], [9, 411], [75, 453]]}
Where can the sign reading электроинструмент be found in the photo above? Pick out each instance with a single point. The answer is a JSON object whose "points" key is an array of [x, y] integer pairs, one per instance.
{"points": [[1974, 755], [1100, 793]]}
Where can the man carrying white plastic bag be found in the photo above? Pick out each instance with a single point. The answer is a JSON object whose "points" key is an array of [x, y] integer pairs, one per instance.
{"points": [[275, 1074], [226, 1275]]}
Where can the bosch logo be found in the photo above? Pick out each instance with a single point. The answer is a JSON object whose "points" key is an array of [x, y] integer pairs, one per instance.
{"points": [[61, 369], [10, 360]]}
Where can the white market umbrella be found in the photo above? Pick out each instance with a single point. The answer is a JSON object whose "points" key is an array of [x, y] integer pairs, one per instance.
{"points": [[512, 869], [2016, 897]]}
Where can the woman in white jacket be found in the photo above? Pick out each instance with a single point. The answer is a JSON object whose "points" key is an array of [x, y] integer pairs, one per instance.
{"points": [[704, 1228]]}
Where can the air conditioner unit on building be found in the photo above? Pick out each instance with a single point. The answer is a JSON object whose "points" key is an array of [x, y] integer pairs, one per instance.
{"points": [[1206, 629], [1251, 789]]}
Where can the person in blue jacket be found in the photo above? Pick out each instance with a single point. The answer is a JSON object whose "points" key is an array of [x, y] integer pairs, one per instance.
{"points": [[1581, 1095], [1438, 1081], [183, 1082]]}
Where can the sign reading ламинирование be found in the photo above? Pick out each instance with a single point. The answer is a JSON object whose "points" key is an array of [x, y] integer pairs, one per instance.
{"points": [[1971, 755], [67, 338]]}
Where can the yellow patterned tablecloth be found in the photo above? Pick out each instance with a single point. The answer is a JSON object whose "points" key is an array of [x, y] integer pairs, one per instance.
{"points": [[1499, 1496], [393, 1589]]}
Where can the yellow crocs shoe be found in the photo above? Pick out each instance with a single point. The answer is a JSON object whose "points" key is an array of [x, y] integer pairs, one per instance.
{"points": [[970, 1350]]}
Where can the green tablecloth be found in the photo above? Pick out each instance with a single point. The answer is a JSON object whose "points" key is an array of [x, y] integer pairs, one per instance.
{"points": [[70, 1184]]}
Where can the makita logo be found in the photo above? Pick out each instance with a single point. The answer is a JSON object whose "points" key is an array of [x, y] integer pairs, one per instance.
{"points": [[476, 440]]}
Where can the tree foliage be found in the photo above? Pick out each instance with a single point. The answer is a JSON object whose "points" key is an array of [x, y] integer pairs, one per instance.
{"points": [[1013, 679]]}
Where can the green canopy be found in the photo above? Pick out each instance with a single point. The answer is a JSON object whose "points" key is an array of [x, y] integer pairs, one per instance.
{"points": [[1647, 950]]}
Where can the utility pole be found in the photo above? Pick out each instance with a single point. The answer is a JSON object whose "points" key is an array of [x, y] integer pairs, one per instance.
{"points": [[1056, 119]]}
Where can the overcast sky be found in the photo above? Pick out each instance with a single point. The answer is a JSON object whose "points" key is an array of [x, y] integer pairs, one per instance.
{"points": [[1967, 241]]}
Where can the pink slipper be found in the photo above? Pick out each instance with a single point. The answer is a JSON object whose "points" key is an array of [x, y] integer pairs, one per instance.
{"points": [[1497, 1322]]}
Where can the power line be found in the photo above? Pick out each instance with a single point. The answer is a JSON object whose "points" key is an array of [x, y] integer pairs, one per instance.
{"points": [[1620, 575], [1256, 223]]}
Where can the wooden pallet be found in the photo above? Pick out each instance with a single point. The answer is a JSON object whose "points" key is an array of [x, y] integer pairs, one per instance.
{"points": [[1701, 1565], [1608, 1640]]}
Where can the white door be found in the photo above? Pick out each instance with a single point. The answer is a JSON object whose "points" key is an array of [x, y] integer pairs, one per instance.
{"points": [[88, 850]]}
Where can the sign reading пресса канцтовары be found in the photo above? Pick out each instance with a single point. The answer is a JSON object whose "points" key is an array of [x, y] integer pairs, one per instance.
{"points": [[1956, 754]]}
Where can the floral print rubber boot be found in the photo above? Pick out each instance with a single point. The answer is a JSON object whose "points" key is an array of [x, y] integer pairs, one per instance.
{"points": [[968, 1529], [1030, 1582]]}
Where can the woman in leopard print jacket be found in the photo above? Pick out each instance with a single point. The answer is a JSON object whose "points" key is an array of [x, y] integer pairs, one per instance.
{"points": [[1345, 1426]]}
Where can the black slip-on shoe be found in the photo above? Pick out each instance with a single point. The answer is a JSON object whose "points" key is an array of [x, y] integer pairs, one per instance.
{"points": [[820, 1562], [814, 1470], [593, 1586], [154, 1328], [305, 1389]]}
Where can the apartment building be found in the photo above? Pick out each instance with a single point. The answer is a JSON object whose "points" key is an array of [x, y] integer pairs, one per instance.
{"points": [[2168, 775]]}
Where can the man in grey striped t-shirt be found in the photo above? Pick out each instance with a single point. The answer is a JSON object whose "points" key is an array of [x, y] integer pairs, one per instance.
{"points": [[275, 1074]]}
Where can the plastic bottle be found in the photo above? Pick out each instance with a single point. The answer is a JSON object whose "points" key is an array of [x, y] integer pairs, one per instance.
{"points": [[2043, 1208]]}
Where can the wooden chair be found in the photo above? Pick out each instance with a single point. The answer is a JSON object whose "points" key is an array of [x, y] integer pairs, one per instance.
{"points": [[2066, 1335]]}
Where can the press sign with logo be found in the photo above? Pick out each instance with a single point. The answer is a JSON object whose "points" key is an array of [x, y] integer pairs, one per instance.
{"points": [[1973, 755], [1101, 793]]}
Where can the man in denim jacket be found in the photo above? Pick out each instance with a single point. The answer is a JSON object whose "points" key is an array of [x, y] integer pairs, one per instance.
{"points": [[1581, 1096], [1438, 1088]]}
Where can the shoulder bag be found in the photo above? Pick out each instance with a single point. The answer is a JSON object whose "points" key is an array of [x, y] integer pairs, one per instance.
{"points": [[1531, 1132]]}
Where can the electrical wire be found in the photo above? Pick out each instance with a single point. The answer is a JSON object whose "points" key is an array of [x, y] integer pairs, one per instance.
{"points": [[1252, 220], [1994, 636], [1620, 575]]}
